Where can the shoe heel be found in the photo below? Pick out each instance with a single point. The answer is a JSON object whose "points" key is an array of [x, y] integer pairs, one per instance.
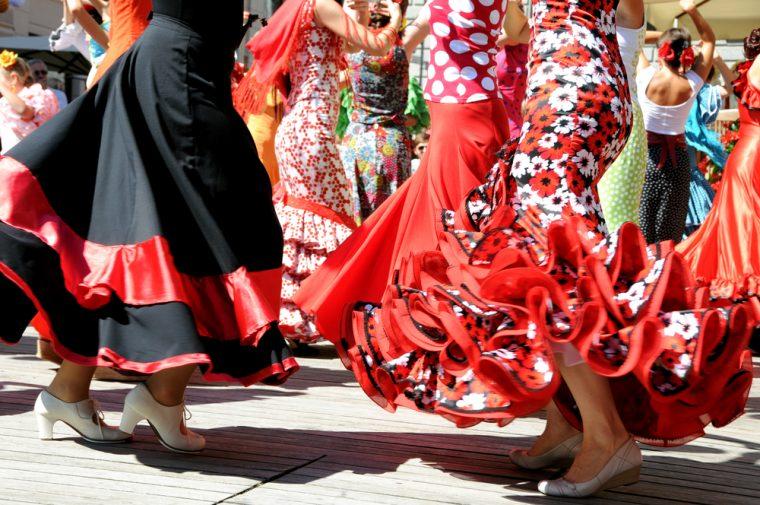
{"points": [[129, 419], [626, 478], [44, 426]]}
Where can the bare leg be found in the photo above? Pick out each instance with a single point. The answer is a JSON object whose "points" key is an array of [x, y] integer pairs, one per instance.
{"points": [[603, 430], [168, 386], [556, 431], [72, 382]]}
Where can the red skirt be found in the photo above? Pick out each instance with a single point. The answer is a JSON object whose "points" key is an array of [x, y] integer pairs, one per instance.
{"points": [[463, 142], [724, 252]]}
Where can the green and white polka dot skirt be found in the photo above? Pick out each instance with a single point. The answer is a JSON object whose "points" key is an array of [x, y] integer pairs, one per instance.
{"points": [[620, 187]]}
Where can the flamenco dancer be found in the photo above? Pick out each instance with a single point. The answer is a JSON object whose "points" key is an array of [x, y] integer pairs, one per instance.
{"points": [[377, 147], [460, 90], [525, 300], [128, 20], [724, 252], [143, 257], [620, 188], [315, 211], [666, 95]]}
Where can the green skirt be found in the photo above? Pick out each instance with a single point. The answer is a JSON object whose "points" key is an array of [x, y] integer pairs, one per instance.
{"points": [[620, 187]]}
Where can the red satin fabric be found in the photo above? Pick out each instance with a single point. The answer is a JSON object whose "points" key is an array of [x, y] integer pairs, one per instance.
{"points": [[129, 19], [278, 372], [240, 305], [462, 147], [725, 251]]}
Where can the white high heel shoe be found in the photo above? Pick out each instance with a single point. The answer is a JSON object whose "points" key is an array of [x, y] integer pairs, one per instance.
{"points": [[622, 469], [168, 423], [560, 456], [84, 417]]}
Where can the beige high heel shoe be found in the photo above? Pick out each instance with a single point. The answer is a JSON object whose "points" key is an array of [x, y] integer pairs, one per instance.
{"points": [[168, 423], [84, 417], [622, 469], [560, 456]]}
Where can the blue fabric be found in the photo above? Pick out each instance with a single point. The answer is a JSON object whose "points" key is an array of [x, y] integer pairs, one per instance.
{"points": [[704, 112], [701, 195]]}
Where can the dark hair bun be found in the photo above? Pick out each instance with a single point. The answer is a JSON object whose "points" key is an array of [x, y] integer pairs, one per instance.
{"points": [[752, 44]]}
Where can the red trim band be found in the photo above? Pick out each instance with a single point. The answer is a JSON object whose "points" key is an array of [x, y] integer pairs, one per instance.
{"points": [[239, 305]]}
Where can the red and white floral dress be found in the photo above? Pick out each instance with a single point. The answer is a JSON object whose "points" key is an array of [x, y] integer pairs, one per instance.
{"points": [[470, 329], [315, 211]]}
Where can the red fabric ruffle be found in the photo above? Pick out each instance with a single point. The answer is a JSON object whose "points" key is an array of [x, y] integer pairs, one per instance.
{"points": [[743, 88], [276, 373], [240, 305], [467, 331]]}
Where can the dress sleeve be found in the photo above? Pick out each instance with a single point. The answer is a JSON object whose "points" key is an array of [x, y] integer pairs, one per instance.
{"points": [[751, 96], [43, 102]]}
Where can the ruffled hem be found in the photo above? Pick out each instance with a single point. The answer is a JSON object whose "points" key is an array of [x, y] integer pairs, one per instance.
{"points": [[732, 289], [279, 368], [466, 331], [241, 305], [309, 238]]}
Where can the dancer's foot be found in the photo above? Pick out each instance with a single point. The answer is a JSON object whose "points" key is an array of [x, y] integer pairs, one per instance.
{"points": [[622, 468], [597, 449], [554, 435]]}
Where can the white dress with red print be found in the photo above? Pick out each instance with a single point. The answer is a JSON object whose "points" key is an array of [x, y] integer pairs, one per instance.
{"points": [[13, 127], [316, 212], [463, 50]]}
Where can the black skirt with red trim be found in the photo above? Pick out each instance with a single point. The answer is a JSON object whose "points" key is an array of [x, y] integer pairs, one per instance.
{"points": [[138, 222]]}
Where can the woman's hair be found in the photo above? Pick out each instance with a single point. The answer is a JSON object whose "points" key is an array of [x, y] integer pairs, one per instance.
{"points": [[378, 21], [752, 44], [20, 68], [680, 40]]}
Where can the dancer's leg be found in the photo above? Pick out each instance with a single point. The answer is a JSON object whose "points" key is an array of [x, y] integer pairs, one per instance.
{"points": [[556, 431], [168, 386], [72, 382], [603, 430]]}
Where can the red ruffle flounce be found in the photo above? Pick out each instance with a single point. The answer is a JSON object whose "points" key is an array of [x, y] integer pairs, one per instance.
{"points": [[241, 305], [467, 331]]}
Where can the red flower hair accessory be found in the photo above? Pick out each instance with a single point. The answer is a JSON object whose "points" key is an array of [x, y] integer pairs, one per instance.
{"points": [[687, 58], [666, 52]]}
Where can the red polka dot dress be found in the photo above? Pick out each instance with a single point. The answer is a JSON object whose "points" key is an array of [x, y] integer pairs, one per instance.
{"points": [[315, 212], [463, 51]]}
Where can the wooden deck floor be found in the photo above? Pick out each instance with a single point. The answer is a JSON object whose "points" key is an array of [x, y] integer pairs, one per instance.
{"points": [[318, 440]]}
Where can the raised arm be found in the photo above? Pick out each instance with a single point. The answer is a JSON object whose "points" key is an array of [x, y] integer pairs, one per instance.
{"points": [[358, 10], [416, 32], [643, 62], [93, 29], [704, 64], [729, 76], [330, 14], [630, 14], [516, 25]]}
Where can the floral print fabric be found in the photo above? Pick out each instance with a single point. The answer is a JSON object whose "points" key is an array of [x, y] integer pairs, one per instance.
{"points": [[315, 211], [377, 148], [580, 110]]}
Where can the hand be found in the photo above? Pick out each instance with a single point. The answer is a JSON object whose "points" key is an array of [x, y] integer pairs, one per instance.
{"points": [[394, 10], [358, 5], [688, 5]]}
